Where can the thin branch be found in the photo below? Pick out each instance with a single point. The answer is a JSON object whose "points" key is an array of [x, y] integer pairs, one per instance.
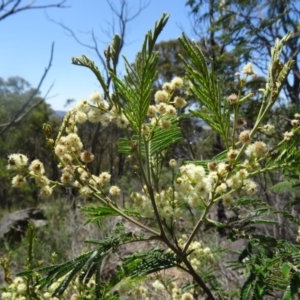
{"points": [[15, 8], [124, 4], [122, 15], [18, 115], [92, 47], [100, 57]]}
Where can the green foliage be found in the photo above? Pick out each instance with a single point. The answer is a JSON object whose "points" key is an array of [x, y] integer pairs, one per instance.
{"points": [[136, 90], [206, 90], [263, 259], [88, 264], [144, 263], [160, 140], [54, 237], [99, 213]]}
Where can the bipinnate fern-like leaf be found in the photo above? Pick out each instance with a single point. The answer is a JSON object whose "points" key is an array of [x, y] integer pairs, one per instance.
{"points": [[278, 71], [70, 268], [135, 91], [100, 212], [89, 264], [287, 293], [84, 61], [215, 111], [288, 216], [143, 263], [295, 284], [247, 291], [284, 186], [161, 140], [271, 265], [251, 201], [135, 101], [286, 153]]}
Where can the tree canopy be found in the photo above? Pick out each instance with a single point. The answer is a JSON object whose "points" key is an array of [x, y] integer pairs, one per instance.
{"points": [[247, 29]]}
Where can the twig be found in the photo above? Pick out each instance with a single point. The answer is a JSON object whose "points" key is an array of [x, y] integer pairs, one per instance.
{"points": [[15, 8]]}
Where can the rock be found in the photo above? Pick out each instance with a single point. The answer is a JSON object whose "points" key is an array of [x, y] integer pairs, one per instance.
{"points": [[13, 226]]}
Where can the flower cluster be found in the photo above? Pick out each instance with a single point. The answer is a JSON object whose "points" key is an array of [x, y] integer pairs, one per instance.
{"points": [[16, 290], [199, 255], [99, 110], [166, 104], [195, 187], [130, 290], [36, 170], [69, 150], [248, 69], [199, 187], [157, 290], [171, 291], [268, 129], [73, 161]]}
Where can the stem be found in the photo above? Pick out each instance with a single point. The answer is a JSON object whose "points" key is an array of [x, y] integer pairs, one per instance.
{"points": [[124, 215], [284, 140], [147, 176], [235, 110], [150, 189], [182, 255], [196, 227], [220, 197], [198, 279], [260, 117], [267, 169]]}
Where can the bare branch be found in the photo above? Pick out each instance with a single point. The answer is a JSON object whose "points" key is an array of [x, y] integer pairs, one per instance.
{"points": [[20, 114], [101, 58], [93, 47], [123, 16], [124, 5], [10, 7]]}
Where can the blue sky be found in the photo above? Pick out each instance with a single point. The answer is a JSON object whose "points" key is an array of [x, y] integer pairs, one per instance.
{"points": [[26, 40]]}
